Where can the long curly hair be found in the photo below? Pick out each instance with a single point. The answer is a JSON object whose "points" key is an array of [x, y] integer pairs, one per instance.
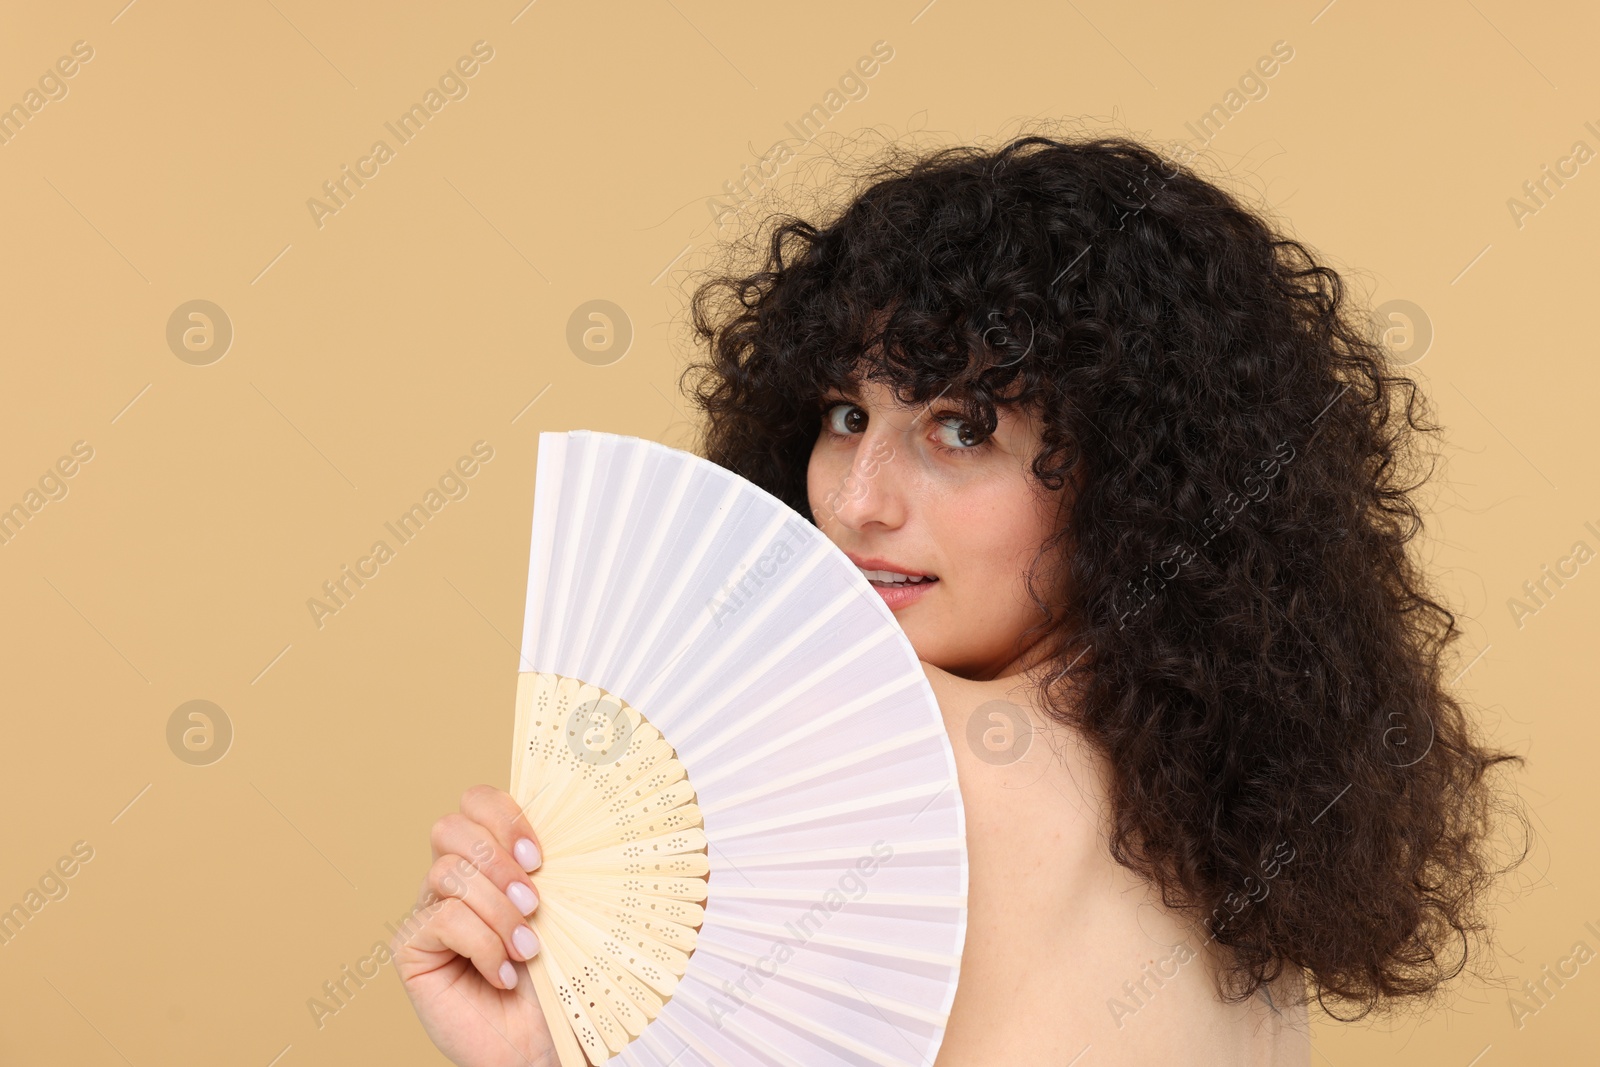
{"points": [[1238, 628]]}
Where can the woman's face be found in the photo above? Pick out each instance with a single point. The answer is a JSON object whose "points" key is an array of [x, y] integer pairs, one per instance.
{"points": [[916, 491]]}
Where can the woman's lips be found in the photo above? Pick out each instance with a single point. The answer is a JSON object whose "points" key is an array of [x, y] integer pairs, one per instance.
{"points": [[903, 594]]}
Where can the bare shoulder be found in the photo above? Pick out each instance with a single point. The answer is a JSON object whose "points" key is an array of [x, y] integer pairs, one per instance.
{"points": [[1065, 947], [1011, 752]]}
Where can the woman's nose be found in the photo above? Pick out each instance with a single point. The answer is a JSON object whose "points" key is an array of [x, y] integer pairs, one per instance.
{"points": [[869, 491]]}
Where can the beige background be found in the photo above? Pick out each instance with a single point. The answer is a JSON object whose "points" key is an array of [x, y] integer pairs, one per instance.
{"points": [[432, 309]]}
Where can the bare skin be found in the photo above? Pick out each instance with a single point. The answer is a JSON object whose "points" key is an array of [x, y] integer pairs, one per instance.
{"points": [[452, 964], [1067, 954], [1067, 951], [1055, 925]]}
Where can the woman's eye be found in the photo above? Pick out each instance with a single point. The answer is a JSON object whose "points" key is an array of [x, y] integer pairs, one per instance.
{"points": [[854, 420], [963, 437], [954, 434]]}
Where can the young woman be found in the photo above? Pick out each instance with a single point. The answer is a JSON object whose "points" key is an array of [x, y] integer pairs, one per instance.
{"points": [[1130, 470]]}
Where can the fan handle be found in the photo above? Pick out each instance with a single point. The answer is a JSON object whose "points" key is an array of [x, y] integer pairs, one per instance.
{"points": [[568, 1051]]}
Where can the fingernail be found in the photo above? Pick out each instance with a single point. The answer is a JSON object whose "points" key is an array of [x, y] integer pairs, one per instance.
{"points": [[522, 897], [526, 943], [527, 854], [508, 975]]}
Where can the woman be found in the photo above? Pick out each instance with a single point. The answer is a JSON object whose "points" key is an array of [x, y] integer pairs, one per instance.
{"points": [[1130, 471]]}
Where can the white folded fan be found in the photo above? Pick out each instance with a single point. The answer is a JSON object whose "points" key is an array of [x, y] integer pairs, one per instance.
{"points": [[753, 837]]}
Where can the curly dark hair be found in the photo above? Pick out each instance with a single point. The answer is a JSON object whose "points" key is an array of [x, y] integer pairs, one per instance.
{"points": [[1239, 629]]}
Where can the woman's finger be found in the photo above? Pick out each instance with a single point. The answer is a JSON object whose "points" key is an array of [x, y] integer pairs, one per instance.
{"points": [[451, 926], [453, 877], [458, 835], [498, 812]]}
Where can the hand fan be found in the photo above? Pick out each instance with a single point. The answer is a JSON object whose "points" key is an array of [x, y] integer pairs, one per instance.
{"points": [[753, 837]]}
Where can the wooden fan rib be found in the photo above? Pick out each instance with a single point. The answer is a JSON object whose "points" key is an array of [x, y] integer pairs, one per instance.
{"points": [[634, 774], [685, 865], [645, 982], [681, 814], [642, 1000], [550, 782], [670, 909], [583, 993], [649, 797], [562, 767], [680, 865], [578, 783], [672, 843], [604, 787], [535, 693], [593, 791], [644, 948], [572, 1011], [519, 730], [640, 765], [680, 936], [690, 889]]}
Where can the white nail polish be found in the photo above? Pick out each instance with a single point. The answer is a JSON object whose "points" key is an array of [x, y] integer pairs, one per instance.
{"points": [[527, 854], [508, 975], [522, 897], [526, 942]]}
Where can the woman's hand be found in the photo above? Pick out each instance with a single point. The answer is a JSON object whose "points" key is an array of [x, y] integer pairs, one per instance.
{"points": [[459, 958]]}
